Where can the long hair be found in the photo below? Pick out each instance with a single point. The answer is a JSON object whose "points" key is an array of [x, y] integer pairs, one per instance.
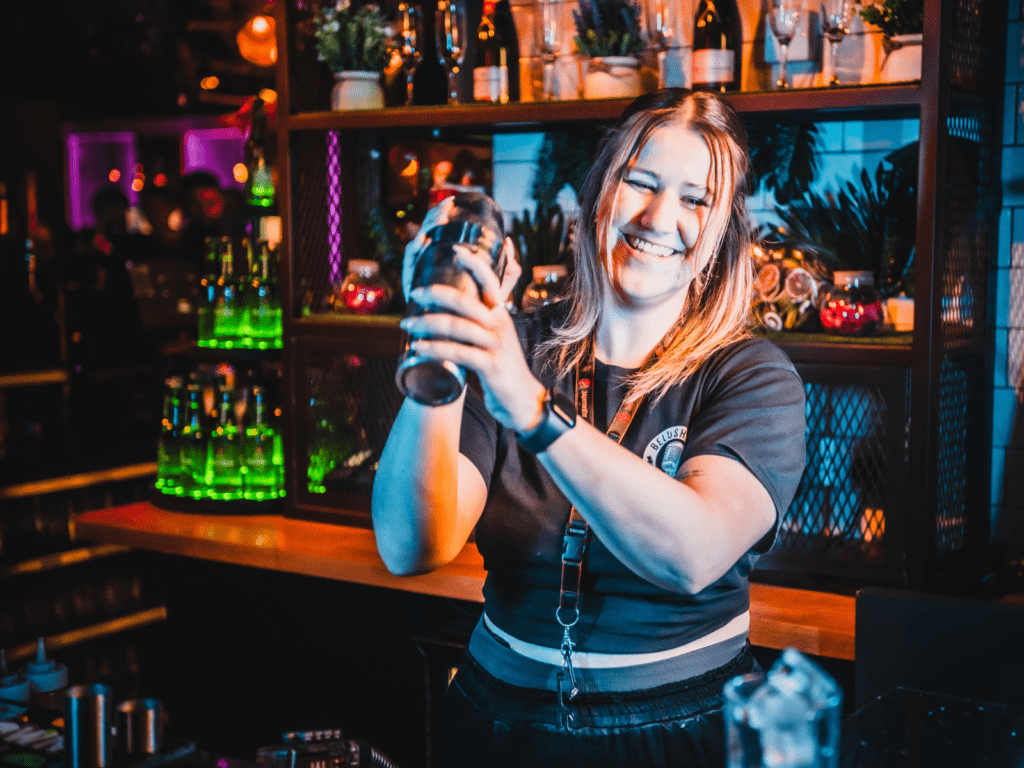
{"points": [[718, 299]]}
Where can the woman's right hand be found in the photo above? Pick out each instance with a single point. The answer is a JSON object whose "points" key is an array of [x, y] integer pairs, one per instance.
{"points": [[435, 217]]}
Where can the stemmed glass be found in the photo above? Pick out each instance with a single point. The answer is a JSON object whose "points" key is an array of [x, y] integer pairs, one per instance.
{"points": [[835, 21], [410, 43], [546, 32], [784, 15], [450, 36], [660, 29]]}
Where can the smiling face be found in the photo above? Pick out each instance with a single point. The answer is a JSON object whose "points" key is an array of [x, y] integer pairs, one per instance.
{"points": [[657, 215]]}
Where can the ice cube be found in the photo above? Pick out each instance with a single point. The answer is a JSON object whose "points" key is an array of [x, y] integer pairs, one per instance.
{"points": [[795, 714]]}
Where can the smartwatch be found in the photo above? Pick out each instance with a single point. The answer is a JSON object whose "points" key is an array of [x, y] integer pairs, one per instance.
{"points": [[557, 417]]}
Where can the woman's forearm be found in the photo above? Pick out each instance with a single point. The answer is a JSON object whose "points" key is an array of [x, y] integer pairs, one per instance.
{"points": [[425, 497], [682, 536]]}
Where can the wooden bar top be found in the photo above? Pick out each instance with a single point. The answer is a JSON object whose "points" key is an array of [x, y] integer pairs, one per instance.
{"points": [[818, 623]]}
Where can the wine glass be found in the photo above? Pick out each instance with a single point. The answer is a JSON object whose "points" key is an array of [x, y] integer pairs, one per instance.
{"points": [[660, 29], [835, 21], [546, 32], [450, 36], [784, 15], [410, 43]]}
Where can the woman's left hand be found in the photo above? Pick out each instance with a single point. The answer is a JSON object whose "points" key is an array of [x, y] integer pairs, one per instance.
{"points": [[475, 330]]}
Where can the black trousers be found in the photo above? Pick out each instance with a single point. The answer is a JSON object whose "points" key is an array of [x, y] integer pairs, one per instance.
{"points": [[486, 722]]}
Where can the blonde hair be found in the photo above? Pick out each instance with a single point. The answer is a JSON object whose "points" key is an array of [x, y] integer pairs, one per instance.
{"points": [[718, 299]]}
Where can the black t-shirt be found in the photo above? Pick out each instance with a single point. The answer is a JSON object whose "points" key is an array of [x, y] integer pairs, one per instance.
{"points": [[745, 402]]}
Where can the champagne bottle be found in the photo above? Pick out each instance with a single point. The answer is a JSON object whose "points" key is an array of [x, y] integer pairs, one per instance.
{"points": [[226, 313], [168, 462], [259, 183], [208, 292], [261, 473], [506, 27], [194, 448], [717, 46], [490, 75], [226, 451]]}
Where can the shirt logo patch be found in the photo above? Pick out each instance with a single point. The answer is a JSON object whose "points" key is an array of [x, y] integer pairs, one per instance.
{"points": [[666, 450]]}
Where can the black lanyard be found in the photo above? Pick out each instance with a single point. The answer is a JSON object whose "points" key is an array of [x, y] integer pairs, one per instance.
{"points": [[574, 542]]}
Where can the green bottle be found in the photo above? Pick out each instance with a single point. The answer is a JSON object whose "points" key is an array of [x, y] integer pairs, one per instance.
{"points": [[273, 329], [264, 303], [227, 312], [248, 288], [194, 447], [262, 478], [259, 183], [168, 458], [225, 475], [208, 293]]}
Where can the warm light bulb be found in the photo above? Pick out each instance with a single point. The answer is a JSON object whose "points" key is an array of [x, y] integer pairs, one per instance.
{"points": [[114, 175], [209, 83], [240, 173], [269, 95], [260, 25]]}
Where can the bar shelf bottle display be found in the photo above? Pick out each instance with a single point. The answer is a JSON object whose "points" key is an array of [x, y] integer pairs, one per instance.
{"points": [[239, 308], [231, 451]]}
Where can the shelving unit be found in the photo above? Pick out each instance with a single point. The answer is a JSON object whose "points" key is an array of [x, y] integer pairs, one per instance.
{"points": [[918, 408]]}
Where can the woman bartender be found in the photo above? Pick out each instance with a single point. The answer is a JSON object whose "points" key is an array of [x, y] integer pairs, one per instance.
{"points": [[624, 460]]}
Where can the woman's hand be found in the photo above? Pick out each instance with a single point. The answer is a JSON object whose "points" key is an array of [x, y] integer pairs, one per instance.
{"points": [[474, 330]]}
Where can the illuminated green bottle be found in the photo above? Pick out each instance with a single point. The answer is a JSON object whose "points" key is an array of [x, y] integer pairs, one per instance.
{"points": [[227, 312], [194, 447], [247, 288], [259, 182], [208, 293], [262, 479], [168, 458], [225, 474], [265, 302]]}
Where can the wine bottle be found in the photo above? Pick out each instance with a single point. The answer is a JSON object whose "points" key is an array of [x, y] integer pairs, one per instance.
{"points": [[490, 74], [717, 46], [506, 27]]}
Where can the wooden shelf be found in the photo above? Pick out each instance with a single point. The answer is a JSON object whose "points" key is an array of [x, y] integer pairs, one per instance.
{"points": [[819, 103], [818, 623]]}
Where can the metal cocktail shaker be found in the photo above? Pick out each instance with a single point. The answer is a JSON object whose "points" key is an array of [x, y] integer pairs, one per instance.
{"points": [[474, 219]]}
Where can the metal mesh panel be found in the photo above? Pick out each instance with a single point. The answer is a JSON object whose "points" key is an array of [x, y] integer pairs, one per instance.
{"points": [[336, 185], [838, 512], [352, 404], [962, 263], [971, 60], [951, 517]]}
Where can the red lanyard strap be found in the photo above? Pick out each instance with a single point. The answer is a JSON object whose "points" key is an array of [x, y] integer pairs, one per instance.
{"points": [[574, 542]]}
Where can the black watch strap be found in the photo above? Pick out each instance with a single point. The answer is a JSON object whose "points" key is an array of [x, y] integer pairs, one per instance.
{"points": [[557, 418]]}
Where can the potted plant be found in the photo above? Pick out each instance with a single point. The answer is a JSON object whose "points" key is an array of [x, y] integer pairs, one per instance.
{"points": [[901, 23], [608, 35], [354, 44]]}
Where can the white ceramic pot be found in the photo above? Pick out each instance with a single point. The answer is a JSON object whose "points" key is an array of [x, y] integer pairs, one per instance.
{"points": [[612, 77], [903, 62], [357, 90]]}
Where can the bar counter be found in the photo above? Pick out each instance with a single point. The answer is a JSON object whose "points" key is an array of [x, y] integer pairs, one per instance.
{"points": [[817, 623]]}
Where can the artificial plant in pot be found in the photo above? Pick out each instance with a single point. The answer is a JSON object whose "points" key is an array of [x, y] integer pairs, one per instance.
{"points": [[866, 227], [902, 25], [608, 34], [354, 45]]}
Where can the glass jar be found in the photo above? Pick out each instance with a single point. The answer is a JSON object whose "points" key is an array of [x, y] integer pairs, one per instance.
{"points": [[851, 307], [546, 288], [363, 291]]}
